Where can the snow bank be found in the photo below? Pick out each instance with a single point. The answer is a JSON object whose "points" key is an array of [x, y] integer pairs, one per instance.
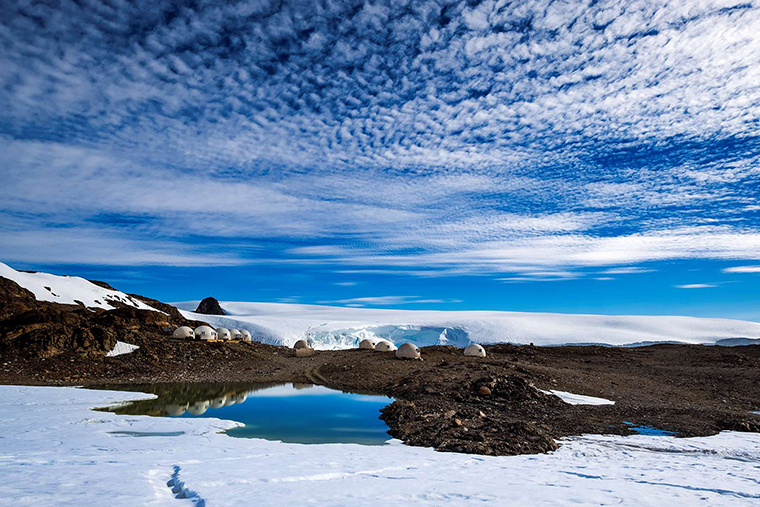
{"points": [[329, 327], [122, 348], [55, 451], [579, 399], [69, 290]]}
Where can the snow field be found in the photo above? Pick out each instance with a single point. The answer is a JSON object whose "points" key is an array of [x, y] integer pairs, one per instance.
{"points": [[329, 327], [81, 457]]}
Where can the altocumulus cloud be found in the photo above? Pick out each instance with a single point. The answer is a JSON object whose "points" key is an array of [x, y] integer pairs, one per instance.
{"points": [[529, 138]]}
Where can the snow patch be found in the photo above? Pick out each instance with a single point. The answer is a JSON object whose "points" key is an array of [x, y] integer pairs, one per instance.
{"points": [[331, 327], [122, 348], [71, 290], [578, 399], [86, 464]]}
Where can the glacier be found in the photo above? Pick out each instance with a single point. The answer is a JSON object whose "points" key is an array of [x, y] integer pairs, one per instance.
{"points": [[333, 327]]}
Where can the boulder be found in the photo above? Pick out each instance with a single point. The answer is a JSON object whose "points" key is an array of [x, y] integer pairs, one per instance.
{"points": [[209, 306]]}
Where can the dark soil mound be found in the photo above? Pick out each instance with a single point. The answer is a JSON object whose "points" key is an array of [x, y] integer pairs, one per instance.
{"points": [[209, 306], [494, 415]]}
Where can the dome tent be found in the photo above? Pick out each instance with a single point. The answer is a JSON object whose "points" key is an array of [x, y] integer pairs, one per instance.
{"points": [[223, 333], [205, 333], [218, 402], [408, 351], [475, 350], [235, 334], [303, 349], [384, 346], [184, 332], [246, 335], [366, 344]]}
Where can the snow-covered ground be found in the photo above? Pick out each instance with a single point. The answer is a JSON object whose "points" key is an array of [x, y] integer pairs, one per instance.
{"points": [[122, 348], [579, 399], [55, 451], [69, 290], [330, 327]]}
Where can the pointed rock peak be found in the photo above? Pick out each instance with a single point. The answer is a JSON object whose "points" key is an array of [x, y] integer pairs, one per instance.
{"points": [[209, 306]]}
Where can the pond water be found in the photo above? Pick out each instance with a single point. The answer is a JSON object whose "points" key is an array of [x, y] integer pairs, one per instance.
{"points": [[298, 413], [648, 430]]}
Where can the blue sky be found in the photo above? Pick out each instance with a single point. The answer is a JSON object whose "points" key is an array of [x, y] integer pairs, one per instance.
{"points": [[545, 156]]}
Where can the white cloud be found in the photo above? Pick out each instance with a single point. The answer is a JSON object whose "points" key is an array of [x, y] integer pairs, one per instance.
{"points": [[388, 301], [695, 286], [628, 270], [742, 269]]}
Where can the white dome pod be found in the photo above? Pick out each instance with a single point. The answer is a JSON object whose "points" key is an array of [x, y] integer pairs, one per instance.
{"points": [[475, 350], [205, 333], [301, 344], [408, 351], [198, 408], [235, 334], [246, 335], [384, 346], [218, 402], [240, 398], [184, 332], [231, 400], [366, 344], [176, 410], [223, 333]]}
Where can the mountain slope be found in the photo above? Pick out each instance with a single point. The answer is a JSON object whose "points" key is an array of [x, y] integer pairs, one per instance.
{"points": [[71, 290]]}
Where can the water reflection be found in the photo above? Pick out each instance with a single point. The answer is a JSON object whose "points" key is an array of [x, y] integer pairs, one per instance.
{"points": [[290, 412]]}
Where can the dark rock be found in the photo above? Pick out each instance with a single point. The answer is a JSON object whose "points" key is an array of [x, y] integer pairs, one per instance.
{"points": [[209, 306]]}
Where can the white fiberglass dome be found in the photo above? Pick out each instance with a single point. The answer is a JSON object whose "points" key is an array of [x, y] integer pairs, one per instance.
{"points": [[475, 350], [246, 335], [235, 334], [223, 333], [384, 346], [184, 332], [408, 351], [301, 344], [366, 344], [205, 333]]}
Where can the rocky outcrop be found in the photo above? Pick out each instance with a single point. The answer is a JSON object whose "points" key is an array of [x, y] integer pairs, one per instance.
{"points": [[31, 328], [209, 306]]}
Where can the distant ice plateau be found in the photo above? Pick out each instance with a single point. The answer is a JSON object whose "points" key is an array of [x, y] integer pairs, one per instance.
{"points": [[331, 327]]}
